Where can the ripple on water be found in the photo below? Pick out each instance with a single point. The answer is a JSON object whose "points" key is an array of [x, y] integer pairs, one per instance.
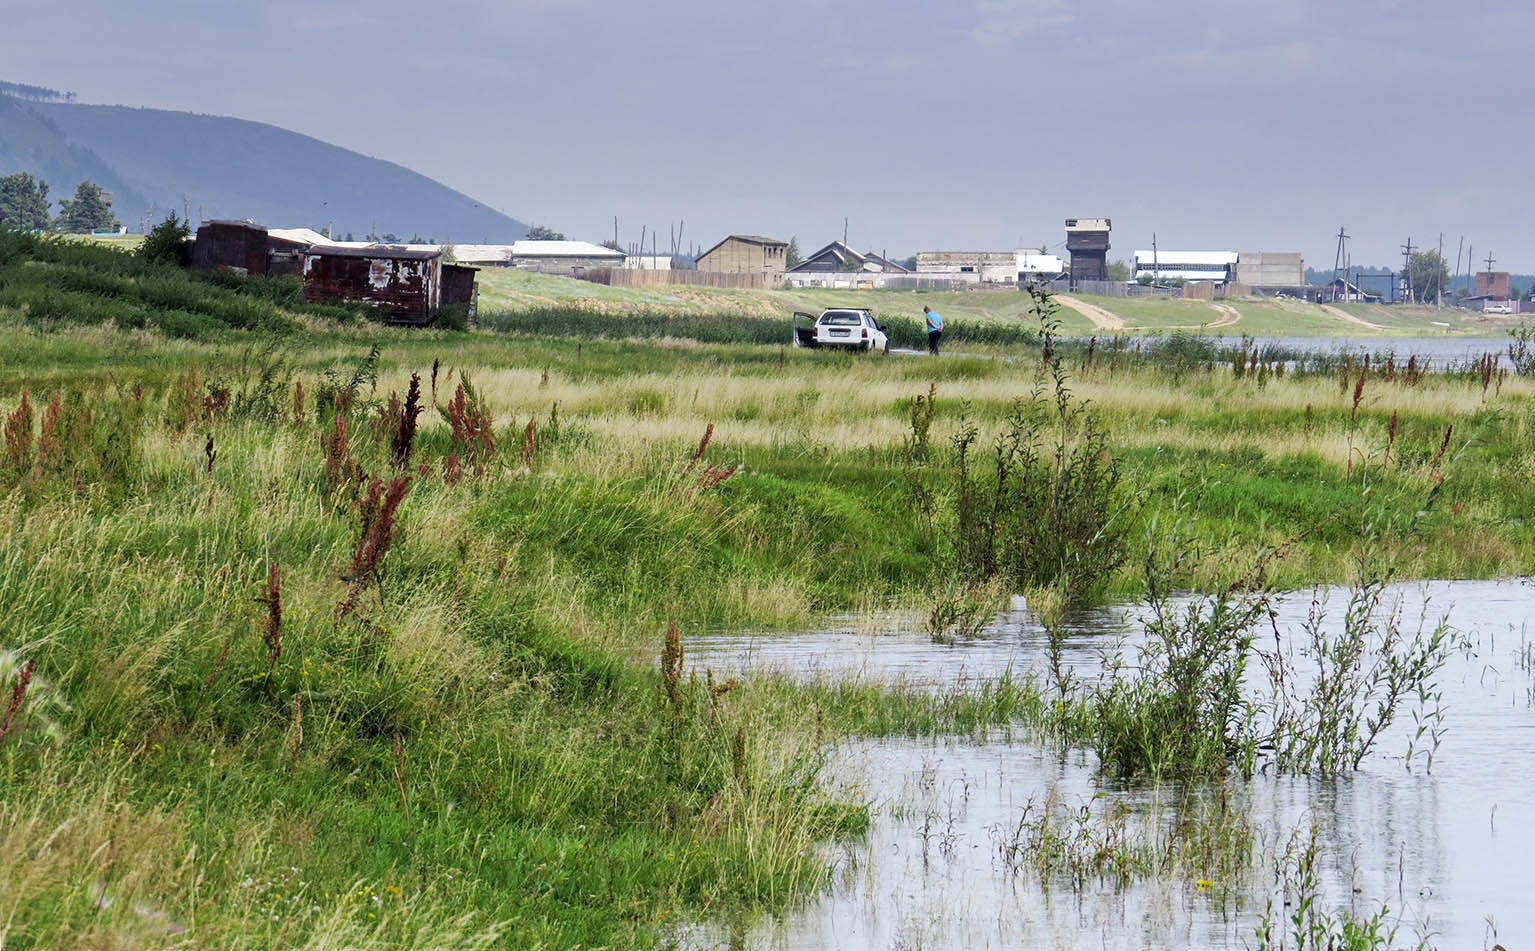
{"points": [[1449, 851]]}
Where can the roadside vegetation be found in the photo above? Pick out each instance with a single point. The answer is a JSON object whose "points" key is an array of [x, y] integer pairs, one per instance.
{"points": [[314, 634], [516, 292]]}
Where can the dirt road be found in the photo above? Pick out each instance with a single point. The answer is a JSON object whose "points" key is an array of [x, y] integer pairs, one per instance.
{"points": [[1101, 318], [1341, 314], [1228, 316]]}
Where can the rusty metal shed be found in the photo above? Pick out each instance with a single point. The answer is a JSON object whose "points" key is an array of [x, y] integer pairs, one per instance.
{"points": [[459, 289], [405, 284]]}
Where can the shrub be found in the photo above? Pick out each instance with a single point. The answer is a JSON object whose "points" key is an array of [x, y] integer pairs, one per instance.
{"points": [[1048, 512], [166, 242]]}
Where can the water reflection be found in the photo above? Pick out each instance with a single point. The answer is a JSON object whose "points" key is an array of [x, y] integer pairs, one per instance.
{"points": [[1449, 851]]}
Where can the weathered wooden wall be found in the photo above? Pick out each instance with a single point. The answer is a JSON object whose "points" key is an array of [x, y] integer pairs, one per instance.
{"points": [[744, 257]]}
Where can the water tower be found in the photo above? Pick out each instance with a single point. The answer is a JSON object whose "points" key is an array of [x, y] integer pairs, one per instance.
{"points": [[1088, 241]]}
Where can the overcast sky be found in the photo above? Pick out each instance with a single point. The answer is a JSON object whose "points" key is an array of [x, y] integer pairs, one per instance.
{"points": [[1217, 124]]}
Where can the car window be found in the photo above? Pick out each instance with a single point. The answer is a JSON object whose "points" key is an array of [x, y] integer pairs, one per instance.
{"points": [[841, 318]]}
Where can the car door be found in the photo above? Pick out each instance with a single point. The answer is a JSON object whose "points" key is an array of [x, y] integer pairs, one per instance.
{"points": [[877, 338]]}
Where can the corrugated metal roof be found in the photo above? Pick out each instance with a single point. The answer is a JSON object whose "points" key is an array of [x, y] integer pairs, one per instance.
{"points": [[583, 249], [380, 252], [483, 253], [1169, 260], [300, 235]]}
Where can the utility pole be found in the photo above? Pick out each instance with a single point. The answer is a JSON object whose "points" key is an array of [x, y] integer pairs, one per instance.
{"points": [[1156, 266], [1458, 248], [1338, 262], [1438, 271], [615, 233], [1490, 259], [1407, 268], [844, 231]]}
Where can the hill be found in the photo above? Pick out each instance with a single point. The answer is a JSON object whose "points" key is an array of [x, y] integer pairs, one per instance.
{"points": [[233, 168], [31, 142]]}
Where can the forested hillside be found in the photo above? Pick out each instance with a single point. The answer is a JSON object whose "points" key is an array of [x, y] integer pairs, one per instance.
{"points": [[154, 161]]}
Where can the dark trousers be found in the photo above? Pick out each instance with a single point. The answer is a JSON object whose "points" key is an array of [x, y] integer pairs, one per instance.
{"points": [[932, 341]]}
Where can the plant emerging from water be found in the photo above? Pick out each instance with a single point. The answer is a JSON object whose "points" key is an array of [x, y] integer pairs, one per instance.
{"points": [[1306, 922], [1048, 512], [1188, 704]]}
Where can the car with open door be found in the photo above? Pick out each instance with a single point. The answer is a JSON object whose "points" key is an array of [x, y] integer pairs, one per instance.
{"points": [[847, 328]]}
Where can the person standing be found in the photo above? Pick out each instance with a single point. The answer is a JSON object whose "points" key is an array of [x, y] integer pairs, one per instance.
{"points": [[934, 329]]}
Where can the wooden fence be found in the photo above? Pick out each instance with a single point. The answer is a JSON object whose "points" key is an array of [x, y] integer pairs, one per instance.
{"points": [[621, 277], [1199, 290]]}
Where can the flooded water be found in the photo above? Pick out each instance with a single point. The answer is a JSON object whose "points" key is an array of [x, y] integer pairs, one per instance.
{"points": [[1451, 850], [1440, 351]]}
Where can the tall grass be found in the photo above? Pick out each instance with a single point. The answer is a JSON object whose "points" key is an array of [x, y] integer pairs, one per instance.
{"points": [[57, 283], [724, 327], [472, 756], [483, 730]]}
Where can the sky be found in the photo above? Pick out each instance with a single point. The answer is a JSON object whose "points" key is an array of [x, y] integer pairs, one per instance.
{"points": [[927, 124]]}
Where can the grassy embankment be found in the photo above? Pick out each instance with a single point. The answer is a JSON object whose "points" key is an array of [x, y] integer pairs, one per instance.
{"points": [[483, 746], [523, 293]]}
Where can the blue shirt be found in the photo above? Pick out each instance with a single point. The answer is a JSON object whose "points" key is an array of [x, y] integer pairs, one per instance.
{"points": [[934, 322]]}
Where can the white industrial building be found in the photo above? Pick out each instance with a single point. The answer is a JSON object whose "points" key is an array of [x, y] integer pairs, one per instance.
{"points": [[1259, 269], [1034, 265], [1187, 266], [988, 267], [548, 257], [648, 262]]}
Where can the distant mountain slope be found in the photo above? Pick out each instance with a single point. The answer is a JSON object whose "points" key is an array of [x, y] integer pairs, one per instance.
{"points": [[31, 142], [235, 168]]}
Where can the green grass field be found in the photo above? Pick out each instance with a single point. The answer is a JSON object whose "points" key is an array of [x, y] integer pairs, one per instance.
{"points": [[308, 676], [511, 291]]}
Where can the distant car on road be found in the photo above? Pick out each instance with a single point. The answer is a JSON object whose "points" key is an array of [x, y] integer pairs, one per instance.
{"points": [[848, 328], [1497, 307]]}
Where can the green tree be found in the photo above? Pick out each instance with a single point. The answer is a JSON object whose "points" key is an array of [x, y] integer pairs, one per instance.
{"points": [[165, 242], [1429, 275], [1119, 271], [792, 257], [540, 233], [23, 202], [88, 211]]}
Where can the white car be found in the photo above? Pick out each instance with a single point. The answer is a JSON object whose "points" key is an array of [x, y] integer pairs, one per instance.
{"points": [[851, 328]]}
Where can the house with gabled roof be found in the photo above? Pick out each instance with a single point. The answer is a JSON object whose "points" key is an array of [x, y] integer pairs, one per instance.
{"points": [[747, 254], [839, 257]]}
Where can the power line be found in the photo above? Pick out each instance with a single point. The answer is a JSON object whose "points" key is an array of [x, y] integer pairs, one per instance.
{"points": [[1438, 275], [1339, 262]]}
